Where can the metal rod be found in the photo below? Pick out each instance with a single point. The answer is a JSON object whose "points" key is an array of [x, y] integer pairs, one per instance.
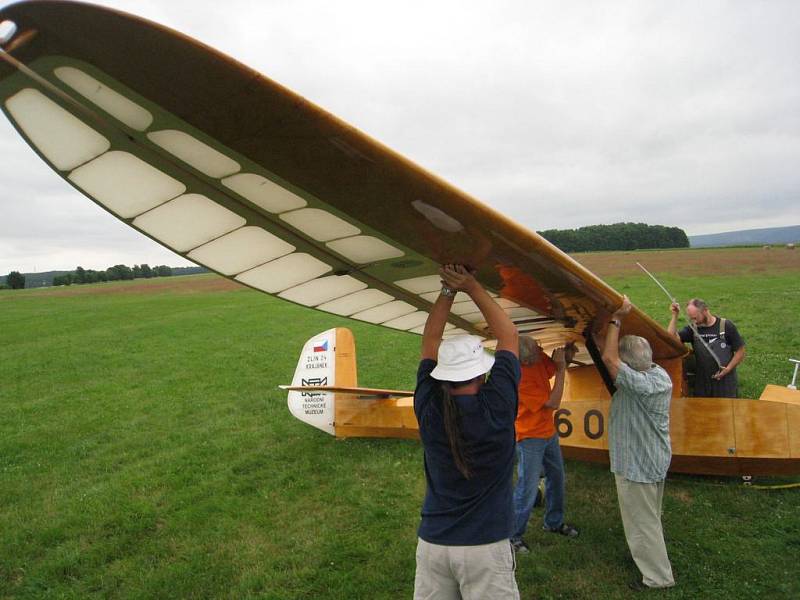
{"points": [[692, 326], [705, 345], [793, 385], [51, 89], [658, 283]]}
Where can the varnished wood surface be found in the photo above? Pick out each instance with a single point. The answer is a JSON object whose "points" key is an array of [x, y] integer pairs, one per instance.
{"points": [[715, 436], [780, 393], [375, 418], [712, 436], [346, 365]]}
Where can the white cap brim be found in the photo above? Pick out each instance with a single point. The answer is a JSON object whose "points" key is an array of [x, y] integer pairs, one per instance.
{"points": [[465, 371]]}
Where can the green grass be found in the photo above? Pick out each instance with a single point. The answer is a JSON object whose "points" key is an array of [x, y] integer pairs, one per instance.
{"points": [[145, 452]]}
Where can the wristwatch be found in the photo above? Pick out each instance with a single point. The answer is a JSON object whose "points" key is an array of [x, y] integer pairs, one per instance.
{"points": [[449, 292]]}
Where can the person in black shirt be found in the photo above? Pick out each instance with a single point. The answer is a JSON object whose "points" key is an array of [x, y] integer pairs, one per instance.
{"points": [[466, 424], [717, 358]]}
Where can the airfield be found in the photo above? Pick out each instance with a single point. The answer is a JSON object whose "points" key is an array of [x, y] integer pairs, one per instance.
{"points": [[145, 450]]}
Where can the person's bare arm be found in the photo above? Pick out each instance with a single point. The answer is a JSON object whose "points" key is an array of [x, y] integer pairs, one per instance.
{"points": [[611, 347], [559, 358], [672, 328], [459, 278], [434, 327], [737, 357]]}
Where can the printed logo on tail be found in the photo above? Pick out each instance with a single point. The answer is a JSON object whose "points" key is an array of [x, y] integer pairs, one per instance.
{"points": [[324, 357], [316, 367]]}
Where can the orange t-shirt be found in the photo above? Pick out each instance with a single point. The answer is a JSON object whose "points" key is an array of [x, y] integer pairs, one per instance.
{"points": [[534, 419]]}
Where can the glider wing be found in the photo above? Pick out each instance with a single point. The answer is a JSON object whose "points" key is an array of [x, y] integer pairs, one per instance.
{"points": [[235, 172]]}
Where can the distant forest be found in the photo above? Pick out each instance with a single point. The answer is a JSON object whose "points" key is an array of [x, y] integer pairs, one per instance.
{"points": [[619, 236], [115, 273]]}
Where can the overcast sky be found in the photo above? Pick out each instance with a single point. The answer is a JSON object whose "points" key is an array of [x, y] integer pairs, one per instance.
{"points": [[558, 114]]}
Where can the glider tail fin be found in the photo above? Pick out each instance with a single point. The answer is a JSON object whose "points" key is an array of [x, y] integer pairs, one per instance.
{"points": [[328, 358]]}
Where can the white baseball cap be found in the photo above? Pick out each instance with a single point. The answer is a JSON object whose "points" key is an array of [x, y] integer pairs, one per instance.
{"points": [[461, 358]]}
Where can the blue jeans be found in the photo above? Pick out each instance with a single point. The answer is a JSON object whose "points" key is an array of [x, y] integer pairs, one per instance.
{"points": [[534, 454]]}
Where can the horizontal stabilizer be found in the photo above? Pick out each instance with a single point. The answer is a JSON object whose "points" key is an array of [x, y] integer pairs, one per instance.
{"points": [[778, 393], [355, 391]]}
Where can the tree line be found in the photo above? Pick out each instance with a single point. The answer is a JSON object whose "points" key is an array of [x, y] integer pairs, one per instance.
{"points": [[14, 280], [115, 273], [619, 236]]}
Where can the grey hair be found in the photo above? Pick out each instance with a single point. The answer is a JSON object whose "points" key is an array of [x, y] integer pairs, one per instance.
{"points": [[528, 350], [636, 352], [699, 304]]}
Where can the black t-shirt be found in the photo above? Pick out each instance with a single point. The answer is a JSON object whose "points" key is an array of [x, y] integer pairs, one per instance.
{"points": [[478, 510], [723, 348]]}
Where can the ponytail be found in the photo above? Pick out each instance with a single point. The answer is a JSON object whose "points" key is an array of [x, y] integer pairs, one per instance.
{"points": [[452, 426]]}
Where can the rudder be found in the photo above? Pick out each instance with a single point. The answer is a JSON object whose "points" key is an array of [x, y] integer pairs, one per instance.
{"points": [[328, 358]]}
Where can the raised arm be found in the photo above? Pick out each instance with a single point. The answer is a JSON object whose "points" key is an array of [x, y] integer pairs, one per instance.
{"points": [[672, 328], [560, 360], [458, 278], [611, 347], [434, 326]]}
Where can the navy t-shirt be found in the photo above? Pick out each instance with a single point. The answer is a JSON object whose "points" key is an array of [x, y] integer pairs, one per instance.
{"points": [[479, 510]]}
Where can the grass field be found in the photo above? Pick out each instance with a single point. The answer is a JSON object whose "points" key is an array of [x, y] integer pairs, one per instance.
{"points": [[145, 451]]}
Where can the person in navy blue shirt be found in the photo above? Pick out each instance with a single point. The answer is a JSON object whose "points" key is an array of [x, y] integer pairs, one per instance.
{"points": [[466, 423]]}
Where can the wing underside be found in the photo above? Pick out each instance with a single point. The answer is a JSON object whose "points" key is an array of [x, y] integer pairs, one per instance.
{"points": [[238, 174]]}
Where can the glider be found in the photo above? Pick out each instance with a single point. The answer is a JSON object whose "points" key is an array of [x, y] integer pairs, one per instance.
{"points": [[237, 173]]}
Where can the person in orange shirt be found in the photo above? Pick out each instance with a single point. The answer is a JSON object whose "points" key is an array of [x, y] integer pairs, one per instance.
{"points": [[537, 439]]}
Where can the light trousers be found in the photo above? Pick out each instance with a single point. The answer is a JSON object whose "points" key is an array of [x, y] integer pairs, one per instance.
{"points": [[465, 572], [640, 507]]}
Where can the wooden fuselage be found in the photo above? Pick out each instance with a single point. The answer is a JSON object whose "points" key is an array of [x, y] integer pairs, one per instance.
{"points": [[713, 436]]}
